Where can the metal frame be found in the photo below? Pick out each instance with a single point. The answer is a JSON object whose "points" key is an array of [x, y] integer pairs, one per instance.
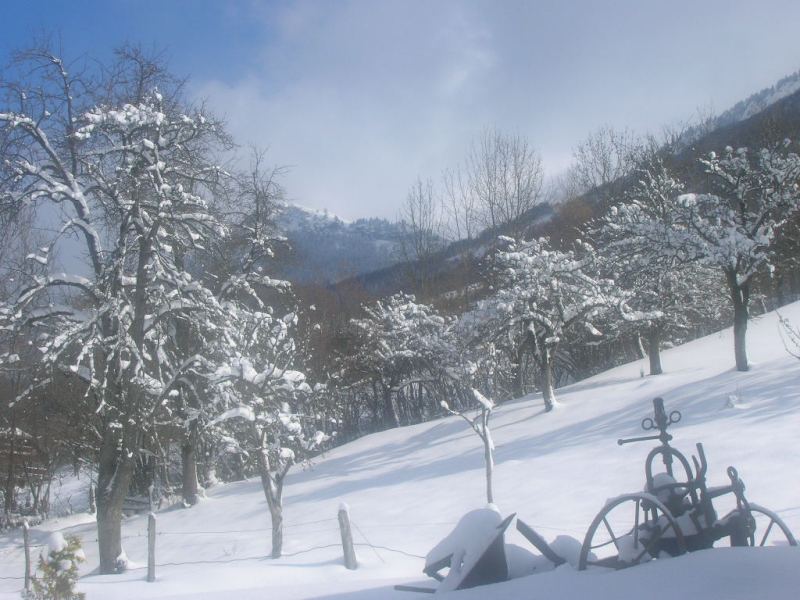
{"points": [[689, 497]]}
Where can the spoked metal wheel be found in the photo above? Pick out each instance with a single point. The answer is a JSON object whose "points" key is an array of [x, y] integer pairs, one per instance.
{"points": [[630, 530], [770, 530]]}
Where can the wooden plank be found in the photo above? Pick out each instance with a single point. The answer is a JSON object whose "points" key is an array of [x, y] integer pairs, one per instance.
{"points": [[539, 542], [414, 588]]}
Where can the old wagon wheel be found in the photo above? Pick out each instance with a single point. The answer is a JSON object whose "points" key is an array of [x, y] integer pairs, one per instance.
{"points": [[770, 530], [630, 530]]}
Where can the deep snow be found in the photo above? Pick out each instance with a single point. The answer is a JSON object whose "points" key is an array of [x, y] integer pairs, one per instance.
{"points": [[406, 489]]}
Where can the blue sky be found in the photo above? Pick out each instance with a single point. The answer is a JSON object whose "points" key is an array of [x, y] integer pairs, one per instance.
{"points": [[360, 97], [203, 38]]}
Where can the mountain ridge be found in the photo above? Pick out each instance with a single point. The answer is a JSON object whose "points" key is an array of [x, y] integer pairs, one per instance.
{"points": [[328, 250]]}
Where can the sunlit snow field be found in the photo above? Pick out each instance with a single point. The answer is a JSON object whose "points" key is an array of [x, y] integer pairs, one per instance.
{"points": [[407, 487]]}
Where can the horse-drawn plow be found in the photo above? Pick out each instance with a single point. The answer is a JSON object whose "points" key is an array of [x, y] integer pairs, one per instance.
{"points": [[675, 514]]}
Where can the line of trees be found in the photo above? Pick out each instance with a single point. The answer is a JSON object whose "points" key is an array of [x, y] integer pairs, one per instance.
{"points": [[663, 264]]}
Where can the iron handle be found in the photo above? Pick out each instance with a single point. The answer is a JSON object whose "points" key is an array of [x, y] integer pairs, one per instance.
{"points": [[638, 439]]}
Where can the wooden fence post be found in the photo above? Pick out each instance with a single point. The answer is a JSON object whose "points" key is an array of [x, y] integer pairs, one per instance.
{"points": [[350, 560], [151, 547], [26, 538]]}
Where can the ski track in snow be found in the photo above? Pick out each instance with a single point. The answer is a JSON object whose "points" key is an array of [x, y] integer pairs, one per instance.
{"points": [[406, 488]]}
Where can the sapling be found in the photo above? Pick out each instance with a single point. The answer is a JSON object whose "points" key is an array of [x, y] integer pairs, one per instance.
{"points": [[790, 336], [57, 572], [480, 425]]}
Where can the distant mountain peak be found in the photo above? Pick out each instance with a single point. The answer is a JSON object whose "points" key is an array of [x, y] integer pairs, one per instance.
{"points": [[759, 101], [327, 248], [294, 216]]}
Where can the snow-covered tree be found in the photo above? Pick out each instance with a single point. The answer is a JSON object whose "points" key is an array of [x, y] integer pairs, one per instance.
{"points": [[248, 209], [496, 363], [678, 293], [399, 343], [125, 180], [543, 295], [732, 229], [256, 381]]}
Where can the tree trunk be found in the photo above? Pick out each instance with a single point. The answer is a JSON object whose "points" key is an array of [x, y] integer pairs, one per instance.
{"points": [[654, 350], [640, 353], [740, 296], [377, 417], [115, 471], [779, 282], [420, 403], [10, 487], [10, 502], [276, 513], [518, 364], [740, 318], [547, 378], [109, 536], [189, 473], [11, 484], [272, 484], [92, 504], [189, 465], [390, 418], [518, 383], [488, 456]]}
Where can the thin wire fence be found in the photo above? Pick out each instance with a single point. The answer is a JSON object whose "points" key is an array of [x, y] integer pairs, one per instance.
{"points": [[327, 526]]}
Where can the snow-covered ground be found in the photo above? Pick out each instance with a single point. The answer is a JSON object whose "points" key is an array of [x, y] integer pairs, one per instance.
{"points": [[407, 487]]}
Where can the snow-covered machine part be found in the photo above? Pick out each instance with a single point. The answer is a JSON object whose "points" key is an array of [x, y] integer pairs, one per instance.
{"points": [[675, 514]]}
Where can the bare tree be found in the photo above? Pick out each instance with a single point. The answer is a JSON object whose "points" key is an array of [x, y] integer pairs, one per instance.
{"points": [[506, 178], [790, 335], [459, 205], [421, 222], [602, 160], [480, 425], [420, 218]]}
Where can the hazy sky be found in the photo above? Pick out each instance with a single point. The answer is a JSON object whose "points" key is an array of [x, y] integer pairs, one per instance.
{"points": [[361, 97]]}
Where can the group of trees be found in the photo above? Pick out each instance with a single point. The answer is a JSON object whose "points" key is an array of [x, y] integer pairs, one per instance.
{"points": [[499, 183], [661, 265], [675, 241], [148, 287]]}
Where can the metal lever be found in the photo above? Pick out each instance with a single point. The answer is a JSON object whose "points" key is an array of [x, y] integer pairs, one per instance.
{"points": [[638, 439], [703, 466]]}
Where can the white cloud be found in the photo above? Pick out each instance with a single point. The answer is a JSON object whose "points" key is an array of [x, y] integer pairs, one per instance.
{"points": [[360, 98]]}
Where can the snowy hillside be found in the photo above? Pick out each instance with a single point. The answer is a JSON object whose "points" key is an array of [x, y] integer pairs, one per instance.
{"points": [[407, 487], [759, 101], [747, 108]]}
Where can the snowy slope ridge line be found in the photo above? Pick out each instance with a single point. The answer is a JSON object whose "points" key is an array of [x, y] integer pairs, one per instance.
{"points": [[760, 101], [406, 487]]}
